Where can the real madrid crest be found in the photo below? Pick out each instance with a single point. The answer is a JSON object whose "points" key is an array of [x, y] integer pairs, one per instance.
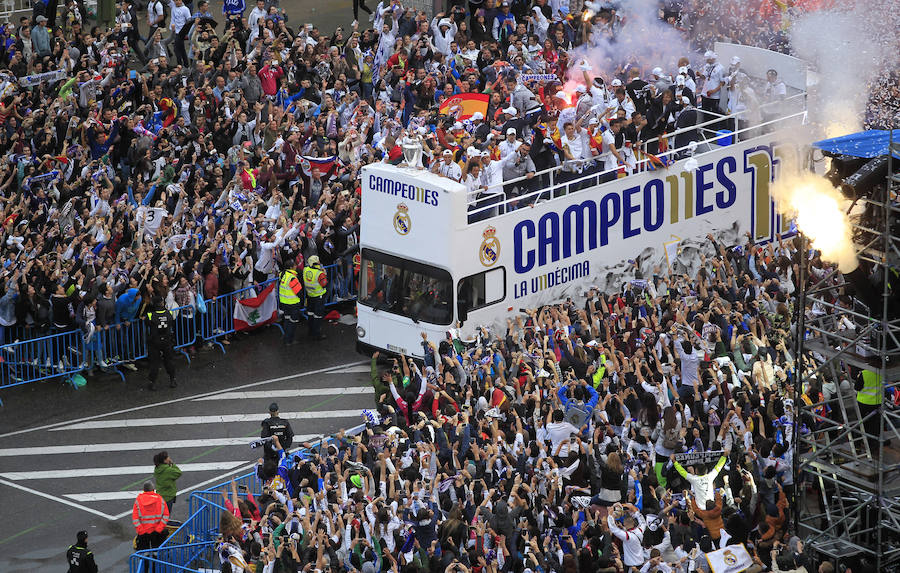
{"points": [[402, 222], [489, 251]]}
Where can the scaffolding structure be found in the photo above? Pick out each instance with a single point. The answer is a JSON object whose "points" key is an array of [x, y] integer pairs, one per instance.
{"points": [[848, 478]]}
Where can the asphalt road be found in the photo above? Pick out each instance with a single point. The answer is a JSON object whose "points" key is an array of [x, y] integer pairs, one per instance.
{"points": [[72, 460]]}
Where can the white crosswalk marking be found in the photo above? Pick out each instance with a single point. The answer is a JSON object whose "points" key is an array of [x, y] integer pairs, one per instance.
{"points": [[116, 471], [168, 445], [194, 420], [103, 496], [303, 393]]}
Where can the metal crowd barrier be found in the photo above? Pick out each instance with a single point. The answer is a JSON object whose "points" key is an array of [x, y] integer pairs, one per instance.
{"points": [[112, 348], [186, 558], [185, 329], [64, 354], [42, 358], [218, 320]]}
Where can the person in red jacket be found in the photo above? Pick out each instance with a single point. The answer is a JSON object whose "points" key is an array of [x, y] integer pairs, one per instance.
{"points": [[150, 516], [268, 78]]}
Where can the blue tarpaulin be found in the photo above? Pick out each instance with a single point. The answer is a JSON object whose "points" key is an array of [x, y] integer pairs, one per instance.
{"points": [[868, 144]]}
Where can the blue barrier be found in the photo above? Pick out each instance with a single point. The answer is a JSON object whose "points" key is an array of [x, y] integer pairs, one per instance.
{"points": [[185, 329], [186, 558], [117, 346], [53, 356], [218, 320], [63, 354]]}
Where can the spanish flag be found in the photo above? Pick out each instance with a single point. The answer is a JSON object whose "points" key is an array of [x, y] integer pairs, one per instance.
{"points": [[553, 134], [462, 106], [597, 142]]}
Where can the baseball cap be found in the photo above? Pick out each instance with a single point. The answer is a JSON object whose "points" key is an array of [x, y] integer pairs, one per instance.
{"points": [[273, 407], [710, 55], [457, 125], [657, 71], [509, 110], [477, 115], [511, 131], [616, 83], [593, 121], [446, 152], [580, 89], [598, 81], [735, 60]]}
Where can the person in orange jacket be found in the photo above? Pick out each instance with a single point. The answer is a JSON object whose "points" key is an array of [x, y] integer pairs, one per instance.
{"points": [[150, 515]]}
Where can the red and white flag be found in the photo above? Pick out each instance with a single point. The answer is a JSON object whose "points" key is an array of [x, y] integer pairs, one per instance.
{"points": [[250, 313]]}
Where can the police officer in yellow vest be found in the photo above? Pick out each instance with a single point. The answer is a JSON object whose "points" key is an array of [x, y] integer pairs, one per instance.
{"points": [[869, 396], [314, 281], [289, 291], [160, 342]]}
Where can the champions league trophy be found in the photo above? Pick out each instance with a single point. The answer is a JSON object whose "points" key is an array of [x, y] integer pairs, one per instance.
{"points": [[412, 145]]}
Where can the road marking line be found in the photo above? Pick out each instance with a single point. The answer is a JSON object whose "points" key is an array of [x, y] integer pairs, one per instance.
{"points": [[135, 446], [302, 393], [103, 495], [361, 369], [194, 420], [115, 471], [184, 399], [63, 501]]}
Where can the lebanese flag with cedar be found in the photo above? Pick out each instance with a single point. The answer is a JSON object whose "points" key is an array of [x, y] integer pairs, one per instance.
{"points": [[250, 313]]}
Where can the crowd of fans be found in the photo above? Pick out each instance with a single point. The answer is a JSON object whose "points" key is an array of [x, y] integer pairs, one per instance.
{"points": [[171, 156], [168, 156], [557, 445]]}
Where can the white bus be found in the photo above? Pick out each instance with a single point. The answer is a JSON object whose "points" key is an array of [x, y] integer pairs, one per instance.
{"points": [[426, 268]]}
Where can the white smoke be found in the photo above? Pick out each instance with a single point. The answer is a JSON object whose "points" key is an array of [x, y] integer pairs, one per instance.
{"points": [[644, 40], [847, 48]]}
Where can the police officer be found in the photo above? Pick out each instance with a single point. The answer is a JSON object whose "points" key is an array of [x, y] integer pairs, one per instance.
{"points": [[289, 290], [81, 560], [160, 342], [275, 426], [314, 281]]}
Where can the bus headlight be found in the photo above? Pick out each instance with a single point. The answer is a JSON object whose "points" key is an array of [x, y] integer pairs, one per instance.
{"points": [[360, 332]]}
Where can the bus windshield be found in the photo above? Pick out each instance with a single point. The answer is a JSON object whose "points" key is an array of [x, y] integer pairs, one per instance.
{"points": [[407, 288]]}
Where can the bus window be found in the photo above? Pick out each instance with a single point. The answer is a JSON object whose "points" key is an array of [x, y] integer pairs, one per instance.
{"points": [[407, 288], [483, 289]]}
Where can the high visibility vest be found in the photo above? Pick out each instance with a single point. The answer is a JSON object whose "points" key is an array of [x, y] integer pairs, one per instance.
{"points": [[289, 287], [311, 281], [872, 392], [150, 513]]}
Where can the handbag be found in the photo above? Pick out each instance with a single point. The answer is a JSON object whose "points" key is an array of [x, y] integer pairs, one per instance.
{"points": [[200, 302]]}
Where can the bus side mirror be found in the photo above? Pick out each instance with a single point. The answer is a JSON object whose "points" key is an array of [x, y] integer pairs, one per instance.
{"points": [[462, 310]]}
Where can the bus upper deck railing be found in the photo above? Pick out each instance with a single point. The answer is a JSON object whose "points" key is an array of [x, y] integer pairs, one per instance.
{"points": [[492, 202]]}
